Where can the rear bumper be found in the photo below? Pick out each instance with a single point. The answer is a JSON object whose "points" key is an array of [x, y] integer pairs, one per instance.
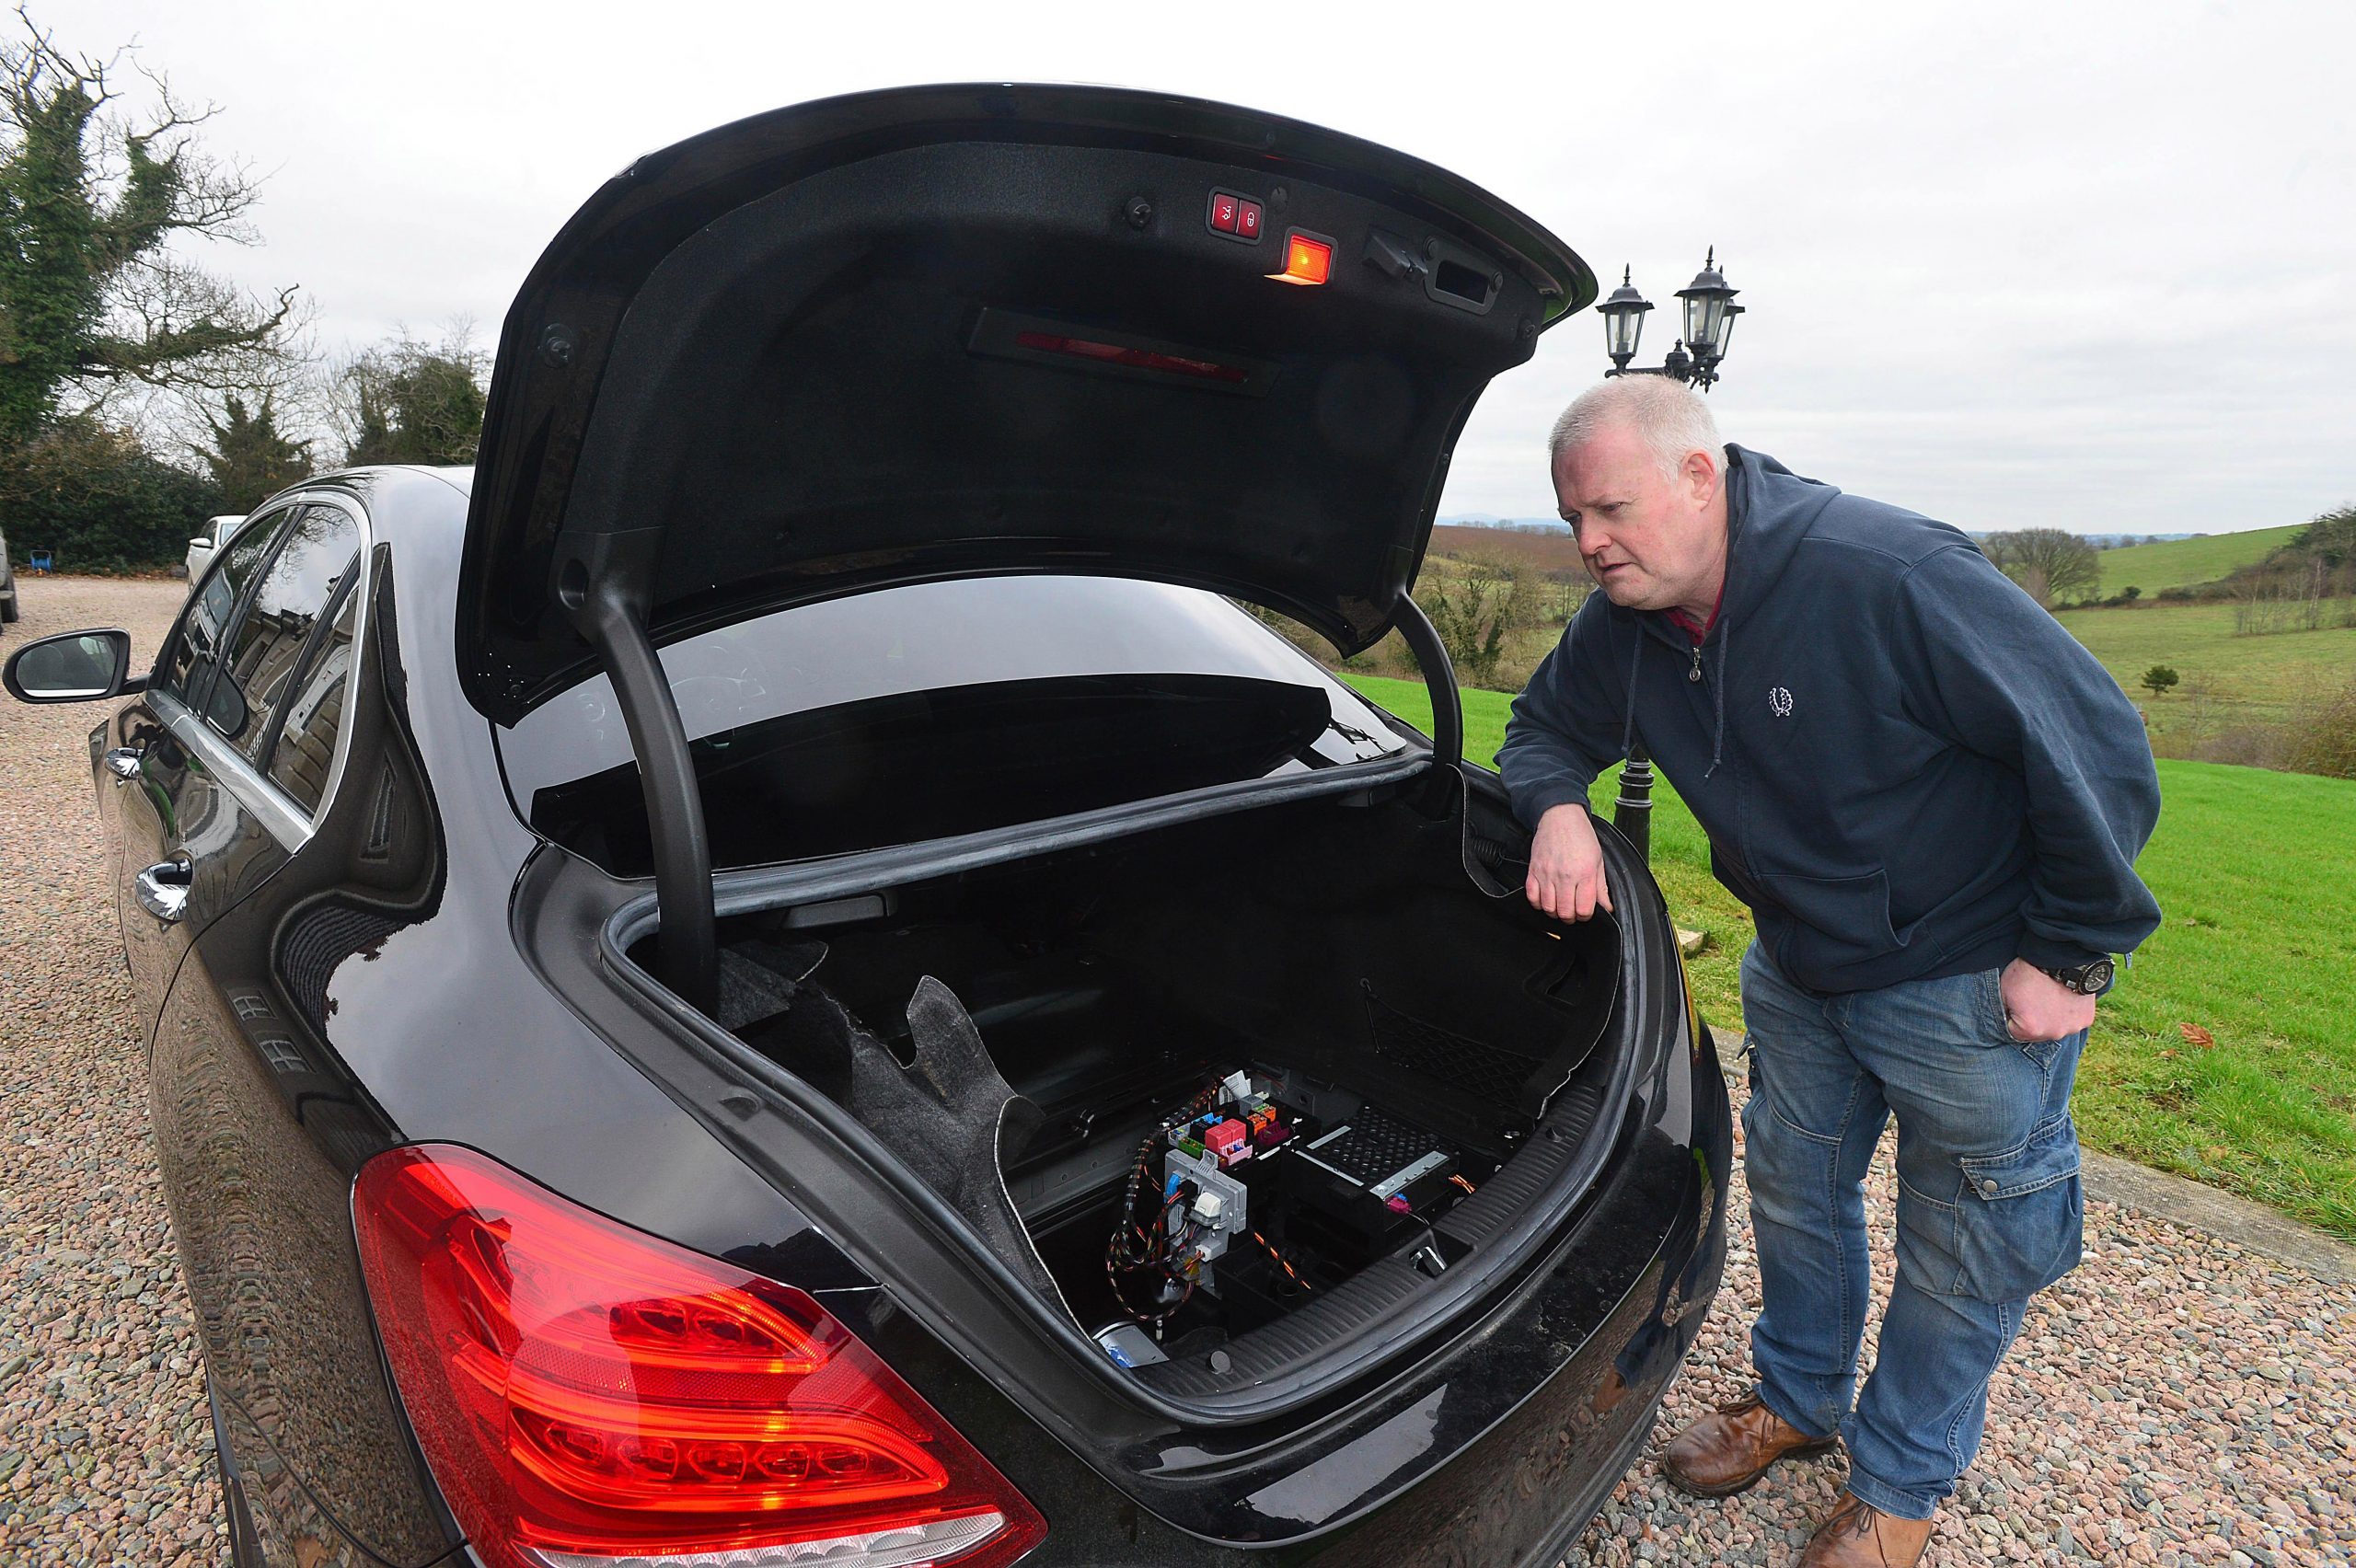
{"points": [[1506, 1468]]}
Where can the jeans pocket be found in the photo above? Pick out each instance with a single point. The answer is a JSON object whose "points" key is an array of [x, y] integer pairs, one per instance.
{"points": [[2021, 1216], [1998, 1021]]}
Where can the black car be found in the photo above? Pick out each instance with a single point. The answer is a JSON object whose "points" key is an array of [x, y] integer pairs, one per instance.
{"points": [[778, 973]]}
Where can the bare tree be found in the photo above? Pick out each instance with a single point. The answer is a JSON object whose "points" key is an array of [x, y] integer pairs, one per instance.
{"points": [[2051, 565]]}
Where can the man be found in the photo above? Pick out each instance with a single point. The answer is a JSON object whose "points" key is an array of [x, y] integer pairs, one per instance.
{"points": [[1931, 798]]}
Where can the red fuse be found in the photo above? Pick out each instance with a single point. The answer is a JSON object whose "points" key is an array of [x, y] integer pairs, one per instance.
{"points": [[1229, 1142]]}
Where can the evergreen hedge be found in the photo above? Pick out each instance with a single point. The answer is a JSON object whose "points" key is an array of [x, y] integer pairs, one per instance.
{"points": [[98, 501]]}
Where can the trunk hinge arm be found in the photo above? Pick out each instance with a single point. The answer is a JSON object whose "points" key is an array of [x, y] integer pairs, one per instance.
{"points": [[602, 584], [1448, 703]]}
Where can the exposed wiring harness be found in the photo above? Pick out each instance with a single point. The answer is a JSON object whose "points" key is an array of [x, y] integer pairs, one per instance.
{"points": [[1139, 1249], [1279, 1257]]}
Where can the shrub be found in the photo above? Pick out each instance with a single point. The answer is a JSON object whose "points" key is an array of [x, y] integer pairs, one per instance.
{"points": [[2159, 678], [1479, 610], [2323, 740], [100, 501]]}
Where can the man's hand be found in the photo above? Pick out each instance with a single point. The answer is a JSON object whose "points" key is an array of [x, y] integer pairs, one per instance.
{"points": [[1566, 865], [2037, 1007]]}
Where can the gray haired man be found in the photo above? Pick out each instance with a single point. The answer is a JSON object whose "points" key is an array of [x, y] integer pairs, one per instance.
{"points": [[1931, 798]]}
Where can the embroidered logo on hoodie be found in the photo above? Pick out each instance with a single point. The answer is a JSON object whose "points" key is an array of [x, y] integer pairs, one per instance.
{"points": [[1779, 701]]}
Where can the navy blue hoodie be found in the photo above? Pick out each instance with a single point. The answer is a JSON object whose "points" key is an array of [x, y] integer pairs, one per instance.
{"points": [[1906, 768]]}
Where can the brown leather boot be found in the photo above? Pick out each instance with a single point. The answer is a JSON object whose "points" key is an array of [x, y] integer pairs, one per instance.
{"points": [[1725, 1452], [1858, 1535]]}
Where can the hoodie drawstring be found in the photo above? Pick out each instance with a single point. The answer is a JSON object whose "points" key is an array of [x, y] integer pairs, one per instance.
{"points": [[1718, 736], [1635, 660]]}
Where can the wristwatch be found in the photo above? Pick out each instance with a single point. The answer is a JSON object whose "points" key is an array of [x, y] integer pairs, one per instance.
{"points": [[2087, 979]]}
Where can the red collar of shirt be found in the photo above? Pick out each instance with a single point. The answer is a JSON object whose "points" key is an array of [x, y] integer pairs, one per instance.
{"points": [[1700, 633]]}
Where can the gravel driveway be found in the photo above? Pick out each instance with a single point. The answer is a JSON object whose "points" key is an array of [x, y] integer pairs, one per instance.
{"points": [[106, 1452], [2176, 1400]]}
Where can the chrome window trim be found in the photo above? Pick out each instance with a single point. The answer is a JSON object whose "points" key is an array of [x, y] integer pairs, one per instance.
{"points": [[269, 806], [277, 812], [351, 507]]}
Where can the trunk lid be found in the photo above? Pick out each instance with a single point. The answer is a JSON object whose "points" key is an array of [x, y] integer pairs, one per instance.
{"points": [[964, 331]]}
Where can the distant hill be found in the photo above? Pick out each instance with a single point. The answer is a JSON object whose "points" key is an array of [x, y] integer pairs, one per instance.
{"points": [[1532, 548], [1546, 543], [1511, 524], [2181, 562]]}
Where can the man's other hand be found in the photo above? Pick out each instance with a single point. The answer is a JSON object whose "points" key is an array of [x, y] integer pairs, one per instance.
{"points": [[1566, 865], [2037, 1007]]}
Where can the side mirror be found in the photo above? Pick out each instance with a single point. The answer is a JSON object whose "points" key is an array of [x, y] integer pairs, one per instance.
{"points": [[75, 666]]}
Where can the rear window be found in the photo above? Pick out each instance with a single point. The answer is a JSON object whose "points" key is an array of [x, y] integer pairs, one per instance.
{"points": [[308, 720], [942, 708]]}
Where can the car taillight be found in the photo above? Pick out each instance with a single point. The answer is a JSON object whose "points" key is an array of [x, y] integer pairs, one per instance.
{"points": [[589, 1396]]}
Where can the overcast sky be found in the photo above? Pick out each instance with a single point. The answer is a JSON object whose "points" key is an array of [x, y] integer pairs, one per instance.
{"points": [[2070, 264]]}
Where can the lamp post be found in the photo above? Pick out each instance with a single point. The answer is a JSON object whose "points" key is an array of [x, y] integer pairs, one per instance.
{"points": [[1710, 311]]}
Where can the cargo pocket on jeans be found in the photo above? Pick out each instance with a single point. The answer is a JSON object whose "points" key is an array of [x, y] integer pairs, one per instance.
{"points": [[2020, 1217]]}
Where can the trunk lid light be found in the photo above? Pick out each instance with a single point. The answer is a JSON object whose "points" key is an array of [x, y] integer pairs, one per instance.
{"points": [[1134, 358], [589, 1396]]}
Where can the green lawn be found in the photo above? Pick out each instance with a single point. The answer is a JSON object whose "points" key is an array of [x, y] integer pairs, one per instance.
{"points": [[2245, 678], [2259, 950], [2178, 563]]}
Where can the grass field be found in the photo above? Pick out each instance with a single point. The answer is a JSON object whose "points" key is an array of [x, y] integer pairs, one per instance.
{"points": [[2259, 950], [2178, 564], [2227, 679]]}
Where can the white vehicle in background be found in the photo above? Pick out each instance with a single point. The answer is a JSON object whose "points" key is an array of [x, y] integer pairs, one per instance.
{"points": [[216, 534]]}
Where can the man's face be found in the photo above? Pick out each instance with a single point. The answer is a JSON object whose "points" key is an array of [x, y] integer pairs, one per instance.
{"points": [[1651, 541]]}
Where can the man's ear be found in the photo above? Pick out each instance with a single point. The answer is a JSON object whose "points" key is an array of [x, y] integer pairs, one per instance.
{"points": [[1701, 473]]}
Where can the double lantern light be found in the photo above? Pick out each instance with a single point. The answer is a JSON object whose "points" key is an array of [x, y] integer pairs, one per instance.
{"points": [[1710, 311]]}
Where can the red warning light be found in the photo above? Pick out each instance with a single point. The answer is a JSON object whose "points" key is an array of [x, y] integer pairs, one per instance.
{"points": [[1309, 259]]}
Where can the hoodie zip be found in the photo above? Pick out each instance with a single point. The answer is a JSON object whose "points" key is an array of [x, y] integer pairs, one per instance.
{"points": [[1695, 673]]}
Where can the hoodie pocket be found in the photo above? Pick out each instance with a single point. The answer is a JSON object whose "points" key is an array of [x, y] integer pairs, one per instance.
{"points": [[1839, 921]]}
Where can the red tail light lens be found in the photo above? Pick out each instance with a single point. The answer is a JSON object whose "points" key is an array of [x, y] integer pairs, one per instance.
{"points": [[589, 1396]]}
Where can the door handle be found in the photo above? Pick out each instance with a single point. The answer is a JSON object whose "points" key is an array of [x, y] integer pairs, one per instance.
{"points": [[162, 891], [123, 763]]}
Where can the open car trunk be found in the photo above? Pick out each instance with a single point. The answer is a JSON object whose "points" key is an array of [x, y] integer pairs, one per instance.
{"points": [[1311, 1013], [957, 333]]}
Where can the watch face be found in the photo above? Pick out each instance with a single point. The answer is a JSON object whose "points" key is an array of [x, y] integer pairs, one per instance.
{"points": [[2095, 976]]}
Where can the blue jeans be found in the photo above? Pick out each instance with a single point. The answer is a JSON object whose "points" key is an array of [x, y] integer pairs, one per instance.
{"points": [[1989, 1212]]}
